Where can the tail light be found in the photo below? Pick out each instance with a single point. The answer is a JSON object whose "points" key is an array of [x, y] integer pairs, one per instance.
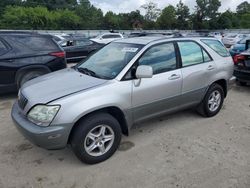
{"points": [[239, 60], [58, 54]]}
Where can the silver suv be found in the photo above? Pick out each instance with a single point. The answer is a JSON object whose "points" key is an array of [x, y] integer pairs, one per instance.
{"points": [[128, 81]]}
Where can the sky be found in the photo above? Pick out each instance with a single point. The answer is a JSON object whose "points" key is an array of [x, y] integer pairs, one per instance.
{"points": [[125, 6]]}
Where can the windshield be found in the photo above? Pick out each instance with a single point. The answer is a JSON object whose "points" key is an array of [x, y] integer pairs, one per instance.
{"points": [[109, 61], [243, 41]]}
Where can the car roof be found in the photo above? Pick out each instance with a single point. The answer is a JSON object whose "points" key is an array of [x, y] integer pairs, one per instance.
{"points": [[111, 34], [23, 33], [140, 40], [149, 39]]}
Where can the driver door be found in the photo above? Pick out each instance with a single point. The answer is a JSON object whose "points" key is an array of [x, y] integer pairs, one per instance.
{"points": [[161, 93]]}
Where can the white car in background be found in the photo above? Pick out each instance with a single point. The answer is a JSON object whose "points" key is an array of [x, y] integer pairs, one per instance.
{"points": [[233, 38], [107, 38], [216, 35], [61, 38]]}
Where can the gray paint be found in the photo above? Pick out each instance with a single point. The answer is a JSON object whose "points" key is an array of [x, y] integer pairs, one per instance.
{"points": [[139, 100]]}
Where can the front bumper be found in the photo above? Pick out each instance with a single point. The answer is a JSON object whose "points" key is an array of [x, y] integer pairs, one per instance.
{"points": [[51, 137]]}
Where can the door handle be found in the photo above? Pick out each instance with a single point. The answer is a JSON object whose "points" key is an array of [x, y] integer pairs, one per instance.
{"points": [[174, 77], [210, 67]]}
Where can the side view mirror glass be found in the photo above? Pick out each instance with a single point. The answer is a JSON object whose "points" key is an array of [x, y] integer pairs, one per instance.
{"points": [[144, 71]]}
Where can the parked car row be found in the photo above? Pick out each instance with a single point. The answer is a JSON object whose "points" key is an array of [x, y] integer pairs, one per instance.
{"points": [[233, 38]]}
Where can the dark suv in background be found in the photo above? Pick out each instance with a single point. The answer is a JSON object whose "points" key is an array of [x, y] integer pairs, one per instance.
{"points": [[242, 66], [26, 55]]}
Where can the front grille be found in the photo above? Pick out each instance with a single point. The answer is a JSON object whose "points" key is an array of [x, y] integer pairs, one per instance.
{"points": [[22, 101]]}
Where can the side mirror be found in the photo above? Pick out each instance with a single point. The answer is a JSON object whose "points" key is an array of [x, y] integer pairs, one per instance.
{"points": [[144, 71]]}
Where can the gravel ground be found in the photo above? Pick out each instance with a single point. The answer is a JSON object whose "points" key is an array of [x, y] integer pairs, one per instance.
{"points": [[179, 150]]}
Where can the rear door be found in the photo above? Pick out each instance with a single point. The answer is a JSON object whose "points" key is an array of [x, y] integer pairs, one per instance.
{"points": [[162, 92], [7, 71], [198, 69], [79, 50]]}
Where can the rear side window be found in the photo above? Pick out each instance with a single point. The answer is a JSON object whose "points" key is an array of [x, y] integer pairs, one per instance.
{"points": [[217, 46], [191, 53], [83, 42], [111, 36], [161, 58], [3, 48], [36, 43]]}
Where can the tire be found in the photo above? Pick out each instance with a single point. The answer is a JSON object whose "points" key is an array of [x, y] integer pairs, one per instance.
{"points": [[215, 92], [242, 83], [82, 141], [28, 76]]}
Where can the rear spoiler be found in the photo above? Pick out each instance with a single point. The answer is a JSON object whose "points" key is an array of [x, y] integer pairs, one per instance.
{"points": [[247, 44]]}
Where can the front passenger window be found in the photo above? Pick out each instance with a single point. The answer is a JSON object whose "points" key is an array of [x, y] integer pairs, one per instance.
{"points": [[161, 58], [3, 48]]}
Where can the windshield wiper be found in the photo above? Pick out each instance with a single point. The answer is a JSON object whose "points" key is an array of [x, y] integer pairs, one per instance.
{"points": [[91, 73], [86, 71]]}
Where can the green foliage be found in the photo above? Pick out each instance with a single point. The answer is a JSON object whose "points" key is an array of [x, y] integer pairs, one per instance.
{"points": [[167, 19], [152, 11], [81, 14], [38, 18], [51, 4], [205, 10], [243, 8], [183, 15]]}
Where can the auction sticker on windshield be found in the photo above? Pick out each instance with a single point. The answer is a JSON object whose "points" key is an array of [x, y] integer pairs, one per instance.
{"points": [[129, 49]]}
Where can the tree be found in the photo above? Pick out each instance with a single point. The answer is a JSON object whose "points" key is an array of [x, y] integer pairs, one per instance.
{"points": [[183, 15], [27, 18], [111, 20], [52, 4], [66, 19], [5, 3], [243, 8], [167, 19], [205, 10], [152, 12], [245, 21], [91, 17]]}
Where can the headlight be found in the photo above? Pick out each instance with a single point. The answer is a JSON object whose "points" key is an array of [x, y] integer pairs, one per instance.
{"points": [[43, 115]]}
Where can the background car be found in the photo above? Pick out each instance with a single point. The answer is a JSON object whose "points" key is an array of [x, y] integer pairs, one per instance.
{"points": [[239, 47], [107, 38], [242, 66], [79, 48], [60, 38], [144, 33], [216, 35], [232, 39], [24, 56]]}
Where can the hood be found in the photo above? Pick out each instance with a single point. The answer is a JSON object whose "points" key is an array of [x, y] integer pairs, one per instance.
{"points": [[58, 84]]}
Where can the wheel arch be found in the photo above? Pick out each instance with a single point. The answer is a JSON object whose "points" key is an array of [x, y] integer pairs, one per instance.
{"points": [[223, 84], [116, 112], [30, 68]]}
